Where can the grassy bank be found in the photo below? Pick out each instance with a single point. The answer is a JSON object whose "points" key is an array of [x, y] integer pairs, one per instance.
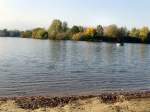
{"points": [[123, 102]]}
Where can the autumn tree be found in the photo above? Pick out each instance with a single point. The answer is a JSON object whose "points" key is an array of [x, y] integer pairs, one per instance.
{"points": [[134, 33], [90, 32], [143, 34], [111, 31]]}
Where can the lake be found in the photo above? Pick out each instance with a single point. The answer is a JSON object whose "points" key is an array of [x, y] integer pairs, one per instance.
{"points": [[31, 67]]}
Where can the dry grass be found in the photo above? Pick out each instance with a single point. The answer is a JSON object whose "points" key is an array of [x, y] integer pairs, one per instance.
{"points": [[86, 105]]}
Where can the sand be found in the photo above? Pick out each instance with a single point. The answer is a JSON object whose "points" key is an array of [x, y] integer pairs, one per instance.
{"points": [[94, 104]]}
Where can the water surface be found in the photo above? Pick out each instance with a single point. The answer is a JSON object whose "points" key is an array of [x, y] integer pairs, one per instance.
{"points": [[44, 67]]}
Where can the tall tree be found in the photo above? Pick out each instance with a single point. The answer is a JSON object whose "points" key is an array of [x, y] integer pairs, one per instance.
{"points": [[55, 28], [99, 31], [65, 26], [123, 32], [75, 29]]}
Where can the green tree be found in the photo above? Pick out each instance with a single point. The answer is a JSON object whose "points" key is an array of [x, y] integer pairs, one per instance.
{"points": [[39, 33], [26, 34], [75, 29], [55, 28]]}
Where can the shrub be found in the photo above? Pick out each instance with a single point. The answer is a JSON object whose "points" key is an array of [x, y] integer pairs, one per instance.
{"points": [[39, 33], [26, 34], [62, 36], [78, 36]]}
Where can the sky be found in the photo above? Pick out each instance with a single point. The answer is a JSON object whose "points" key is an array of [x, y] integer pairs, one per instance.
{"points": [[28, 14]]}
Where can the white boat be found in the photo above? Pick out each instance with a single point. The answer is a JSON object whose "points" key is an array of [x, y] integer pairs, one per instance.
{"points": [[119, 44]]}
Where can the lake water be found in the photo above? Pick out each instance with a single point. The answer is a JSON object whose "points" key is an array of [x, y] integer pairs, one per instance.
{"points": [[44, 67]]}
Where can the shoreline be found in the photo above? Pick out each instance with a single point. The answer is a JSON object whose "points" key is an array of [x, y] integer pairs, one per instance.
{"points": [[36, 102], [94, 41]]}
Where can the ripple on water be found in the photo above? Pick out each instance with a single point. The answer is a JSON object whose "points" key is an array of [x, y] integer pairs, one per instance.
{"points": [[30, 67]]}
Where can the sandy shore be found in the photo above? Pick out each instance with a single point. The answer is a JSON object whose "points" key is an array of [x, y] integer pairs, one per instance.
{"points": [[115, 102]]}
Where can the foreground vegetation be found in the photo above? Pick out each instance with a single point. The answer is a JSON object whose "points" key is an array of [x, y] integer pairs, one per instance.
{"points": [[59, 30], [94, 104]]}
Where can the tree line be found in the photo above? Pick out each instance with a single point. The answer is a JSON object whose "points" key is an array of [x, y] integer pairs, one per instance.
{"points": [[59, 30], [10, 33]]}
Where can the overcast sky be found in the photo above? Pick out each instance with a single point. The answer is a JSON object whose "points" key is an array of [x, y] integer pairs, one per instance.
{"points": [[27, 14]]}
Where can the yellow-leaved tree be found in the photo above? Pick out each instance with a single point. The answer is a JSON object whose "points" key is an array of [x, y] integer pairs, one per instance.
{"points": [[144, 32]]}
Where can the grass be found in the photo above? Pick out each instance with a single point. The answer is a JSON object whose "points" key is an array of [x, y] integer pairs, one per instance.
{"points": [[78, 104]]}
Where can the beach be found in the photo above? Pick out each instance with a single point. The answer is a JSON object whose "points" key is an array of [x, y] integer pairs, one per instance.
{"points": [[108, 102]]}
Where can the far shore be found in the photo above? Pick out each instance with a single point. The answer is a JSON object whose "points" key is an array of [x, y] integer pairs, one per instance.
{"points": [[105, 101]]}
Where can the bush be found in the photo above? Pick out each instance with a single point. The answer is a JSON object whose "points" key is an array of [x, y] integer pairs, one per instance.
{"points": [[82, 37], [39, 33], [26, 34], [78, 36], [62, 36]]}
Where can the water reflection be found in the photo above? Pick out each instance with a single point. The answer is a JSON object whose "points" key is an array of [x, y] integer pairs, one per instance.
{"points": [[144, 49], [43, 67]]}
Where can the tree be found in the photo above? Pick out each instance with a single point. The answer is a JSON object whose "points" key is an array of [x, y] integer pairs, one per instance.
{"points": [[81, 29], [99, 31], [78, 36], [63, 36], [111, 31], [87, 35], [134, 33], [6, 33], [39, 33], [90, 32], [26, 34], [144, 32], [75, 29], [55, 28], [65, 26], [123, 32]]}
